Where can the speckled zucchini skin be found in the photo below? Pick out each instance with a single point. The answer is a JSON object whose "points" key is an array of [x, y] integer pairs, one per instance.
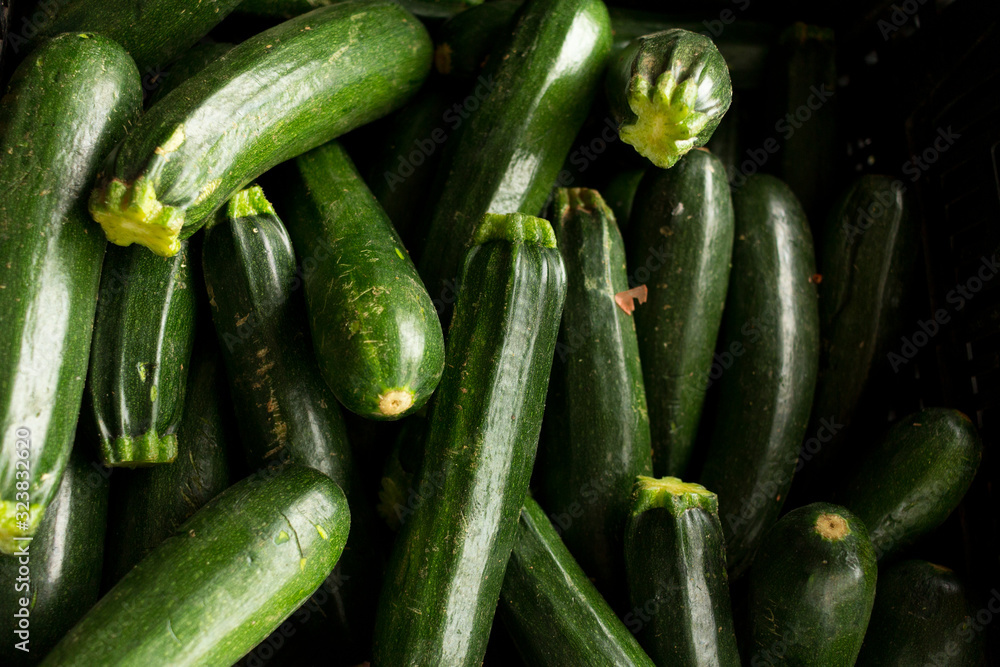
{"points": [[231, 574], [68, 103], [376, 333], [275, 96], [194, 60]]}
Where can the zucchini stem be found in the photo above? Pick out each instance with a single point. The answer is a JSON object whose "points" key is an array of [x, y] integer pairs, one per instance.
{"points": [[666, 125], [130, 213]]}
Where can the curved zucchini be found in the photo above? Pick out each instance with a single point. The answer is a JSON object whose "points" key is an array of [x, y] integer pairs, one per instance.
{"points": [[68, 103], [255, 107], [675, 557], [680, 245], [447, 564], [595, 438], [932, 456], [143, 335], [286, 413], [620, 192], [551, 608], [668, 91], [377, 336], [64, 562], [512, 146], [922, 616], [149, 505], [232, 573], [771, 336], [812, 586], [193, 61]]}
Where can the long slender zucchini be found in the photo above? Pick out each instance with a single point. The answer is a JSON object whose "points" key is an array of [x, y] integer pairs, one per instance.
{"points": [[812, 586], [513, 144], [148, 505], [425, 9], [766, 369], [447, 564], [286, 413], [595, 437], [680, 245], [922, 616], [68, 103], [275, 96], [232, 573], [63, 563], [193, 61], [143, 335], [551, 608], [377, 336], [668, 91], [931, 458], [675, 556]]}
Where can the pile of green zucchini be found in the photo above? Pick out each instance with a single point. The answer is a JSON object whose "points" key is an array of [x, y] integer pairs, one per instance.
{"points": [[329, 329]]}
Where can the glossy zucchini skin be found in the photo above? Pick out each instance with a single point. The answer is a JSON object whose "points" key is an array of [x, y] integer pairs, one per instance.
{"points": [[933, 455], [377, 336], [595, 436], [64, 560], [447, 563], [194, 60], [253, 108], [667, 92], [675, 557], [54, 130], [551, 608], [922, 615], [680, 245], [812, 587], [143, 336], [230, 574], [540, 85], [149, 505]]}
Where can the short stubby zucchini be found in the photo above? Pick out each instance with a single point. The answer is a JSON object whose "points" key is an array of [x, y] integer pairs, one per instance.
{"points": [[275, 96]]}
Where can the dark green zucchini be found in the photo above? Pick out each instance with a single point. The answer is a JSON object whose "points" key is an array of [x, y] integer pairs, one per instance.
{"points": [[595, 437], [619, 193], [922, 616], [667, 92], [675, 556], [425, 9], [143, 334], [63, 562], [255, 107], [517, 135], [377, 336], [149, 505], [447, 564], [231, 574], [812, 586], [680, 246], [462, 45], [53, 132], [193, 61], [725, 143], [933, 455], [766, 367], [286, 413], [552, 610]]}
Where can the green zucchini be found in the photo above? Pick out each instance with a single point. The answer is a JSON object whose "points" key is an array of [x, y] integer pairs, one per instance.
{"points": [[551, 609], [143, 334], [619, 193], [232, 573], [54, 128], [255, 107], [63, 562], [766, 367], [922, 616], [812, 586], [193, 61], [514, 141], [425, 9], [933, 456], [152, 31], [675, 557], [148, 505], [286, 413], [447, 564], [377, 336], [462, 45], [725, 142], [595, 437], [680, 246], [668, 91]]}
